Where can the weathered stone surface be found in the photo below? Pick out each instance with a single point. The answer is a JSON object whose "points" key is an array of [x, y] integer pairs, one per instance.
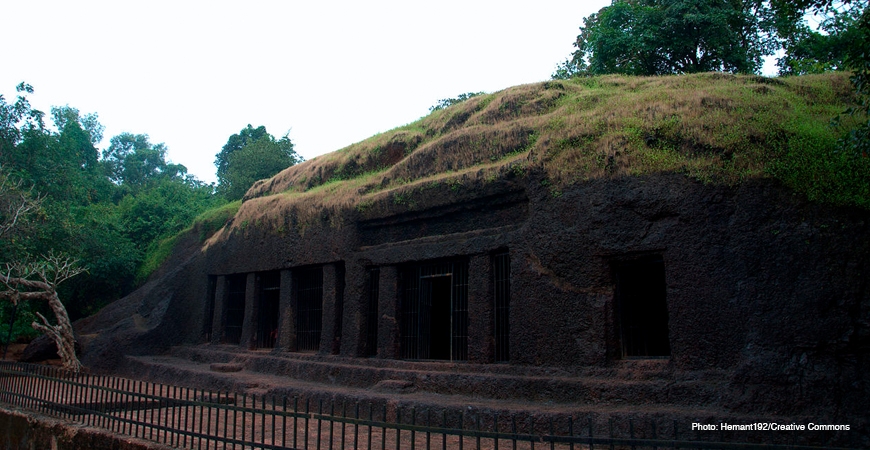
{"points": [[43, 348], [762, 286], [20, 431], [225, 367]]}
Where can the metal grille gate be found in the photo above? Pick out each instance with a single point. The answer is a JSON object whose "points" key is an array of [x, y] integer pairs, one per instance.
{"points": [[372, 312], [308, 285], [234, 312], [181, 417], [268, 309], [434, 311], [502, 296]]}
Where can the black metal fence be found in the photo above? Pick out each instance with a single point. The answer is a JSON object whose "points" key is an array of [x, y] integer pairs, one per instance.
{"points": [[201, 419]]}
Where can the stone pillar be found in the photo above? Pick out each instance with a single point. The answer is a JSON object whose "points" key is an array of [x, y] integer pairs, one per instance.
{"points": [[287, 320], [388, 325], [249, 324], [328, 311], [217, 322], [480, 310], [352, 333]]}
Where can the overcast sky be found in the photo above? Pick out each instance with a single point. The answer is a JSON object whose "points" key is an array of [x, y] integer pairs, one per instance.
{"points": [[190, 74]]}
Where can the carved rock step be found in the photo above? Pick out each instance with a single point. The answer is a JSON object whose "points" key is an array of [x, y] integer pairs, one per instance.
{"points": [[225, 367], [607, 389]]}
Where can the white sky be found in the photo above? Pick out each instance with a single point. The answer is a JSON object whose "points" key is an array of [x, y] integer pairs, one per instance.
{"points": [[192, 73]]}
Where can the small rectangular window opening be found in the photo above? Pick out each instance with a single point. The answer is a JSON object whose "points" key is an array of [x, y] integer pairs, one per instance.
{"points": [[642, 310]]}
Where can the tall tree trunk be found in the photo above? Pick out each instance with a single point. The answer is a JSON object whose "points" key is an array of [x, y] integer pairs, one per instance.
{"points": [[62, 333]]}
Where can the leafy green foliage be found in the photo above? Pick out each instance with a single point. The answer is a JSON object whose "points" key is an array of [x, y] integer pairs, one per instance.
{"points": [[234, 143], [445, 102], [249, 156], [838, 38], [208, 223], [858, 59], [569, 69], [657, 37], [839, 43], [15, 322], [107, 213], [17, 118], [132, 161]]}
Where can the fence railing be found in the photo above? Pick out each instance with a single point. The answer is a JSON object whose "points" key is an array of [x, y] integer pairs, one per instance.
{"points": [[201, 419]]}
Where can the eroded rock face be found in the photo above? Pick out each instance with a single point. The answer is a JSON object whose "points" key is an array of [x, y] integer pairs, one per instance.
{"points": [[43, 348], [758, 284]]}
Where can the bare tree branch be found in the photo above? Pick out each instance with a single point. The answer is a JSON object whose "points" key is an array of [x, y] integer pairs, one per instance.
{"points": [[17, 203], [36, 278], [50, 270]]}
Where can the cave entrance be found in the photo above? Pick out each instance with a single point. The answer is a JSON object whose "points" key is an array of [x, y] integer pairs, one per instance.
{"points": [[642, 309], [234, 309], [208, 320], [374, 282], [436, 300], [434, 312], [308, 294], [268, 309]]}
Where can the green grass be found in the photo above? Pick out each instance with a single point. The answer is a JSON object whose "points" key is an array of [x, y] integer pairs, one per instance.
{"points": [[713, 127], [206, 224]]}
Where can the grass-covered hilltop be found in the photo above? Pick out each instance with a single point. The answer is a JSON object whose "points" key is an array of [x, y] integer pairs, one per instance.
{"points": [[696, 244], [712, 127]]}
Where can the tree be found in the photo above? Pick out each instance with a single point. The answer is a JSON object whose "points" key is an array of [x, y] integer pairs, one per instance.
{"points": [[17, 205], [235, 143], [840, 43], [38, 280], [131, 160], [252, 155], [445, 102], [658, 37], [27, 278], [12, 116], [838, 37], [105, 212]]}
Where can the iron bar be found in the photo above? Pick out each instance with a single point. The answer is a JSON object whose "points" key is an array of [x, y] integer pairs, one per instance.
{"points": [[183, 417]]}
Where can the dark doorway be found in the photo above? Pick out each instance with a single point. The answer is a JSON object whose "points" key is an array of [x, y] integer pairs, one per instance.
{"points": [[501, 274], [371, 348], [268, 308], [234, 311], [208, 320], [437, 295], [434, 311], [308, 287], [339, 308], [642, 307]]}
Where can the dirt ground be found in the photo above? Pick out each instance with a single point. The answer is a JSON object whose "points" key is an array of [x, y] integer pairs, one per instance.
{"points": [[14, 351]]}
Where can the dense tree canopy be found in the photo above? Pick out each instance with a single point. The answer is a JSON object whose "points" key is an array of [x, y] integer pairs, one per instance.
{"points": [[838, 40], [234, 143], [658, 37], [251, 155], [132, 161], [107, 213]]}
